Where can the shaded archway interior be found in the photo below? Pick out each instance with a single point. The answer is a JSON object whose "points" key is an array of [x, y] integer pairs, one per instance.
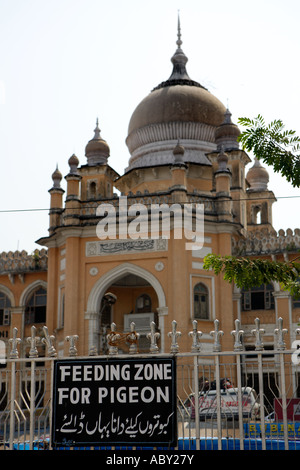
{"points": [[136, 302]]}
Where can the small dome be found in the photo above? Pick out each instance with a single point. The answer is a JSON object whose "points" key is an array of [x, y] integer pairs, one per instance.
{"points": [[179, 149], [178, 153], [73, 163], [56, 178], [97, 150], [258, 177], [227, 134], [222, 161]]}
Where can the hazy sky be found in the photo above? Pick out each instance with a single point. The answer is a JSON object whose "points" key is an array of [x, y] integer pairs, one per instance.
{"points": [[63, 63]]}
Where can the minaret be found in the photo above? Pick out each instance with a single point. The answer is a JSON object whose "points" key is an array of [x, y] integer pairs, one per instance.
{"points": [[223, 196], [178, 171], [227, 141], [56, 201], [97, 176], [260, 198], [72, 205], [227, 134]]}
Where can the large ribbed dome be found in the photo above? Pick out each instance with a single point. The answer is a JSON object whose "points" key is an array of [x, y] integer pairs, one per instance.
{"points": [[184, 103], [178, 108]]}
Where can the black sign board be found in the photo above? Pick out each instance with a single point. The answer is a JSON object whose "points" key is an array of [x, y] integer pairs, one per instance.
{"points": [[114, 402]]}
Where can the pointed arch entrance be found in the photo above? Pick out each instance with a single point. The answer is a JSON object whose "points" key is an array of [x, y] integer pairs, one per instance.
{"points": [[130, 277]]}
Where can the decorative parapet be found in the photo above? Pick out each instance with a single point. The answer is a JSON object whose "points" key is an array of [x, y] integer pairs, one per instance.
{"points": [[89, 208], [22, 262], [266, 242]]}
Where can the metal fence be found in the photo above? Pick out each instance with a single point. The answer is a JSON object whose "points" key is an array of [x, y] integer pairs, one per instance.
{"points": [[225, 399]]}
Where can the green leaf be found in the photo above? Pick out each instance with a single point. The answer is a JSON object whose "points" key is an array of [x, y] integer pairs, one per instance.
{"points": [[273, 145], [247, 273]]}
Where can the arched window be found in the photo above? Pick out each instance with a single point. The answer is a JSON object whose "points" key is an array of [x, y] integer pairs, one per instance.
{"points": [[35, 310], [256, 214], [143, 304], [93, 190], [4, 309], [201, 302], [258, 298]]}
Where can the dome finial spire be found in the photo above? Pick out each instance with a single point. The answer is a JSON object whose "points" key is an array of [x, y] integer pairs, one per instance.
{"points": [[178, 42], [179, 75], [97, 130]]}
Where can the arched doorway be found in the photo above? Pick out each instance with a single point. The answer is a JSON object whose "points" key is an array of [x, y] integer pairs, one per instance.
{"points": [[139, 298]]}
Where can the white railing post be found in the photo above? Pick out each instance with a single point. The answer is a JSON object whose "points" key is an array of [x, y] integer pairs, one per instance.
{"points": [[216, 333], [174, 334], [238, 347], [14, 341], [259, 346], [280, 346], [196, 388], [33, 353]]}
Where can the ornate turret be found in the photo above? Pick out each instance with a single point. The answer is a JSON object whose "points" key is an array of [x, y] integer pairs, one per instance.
{"points": [[227, 134], [97, 150], [56, 178], [258, 177], [56, 200], [73, 164]]}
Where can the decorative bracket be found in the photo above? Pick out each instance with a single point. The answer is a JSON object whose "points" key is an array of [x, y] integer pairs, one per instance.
{"points": [[174, 334], [132, 339], [33, 340], [49, 341], [153, 336], [195, 335], [238, 335], [258, 333], [14, 341], [280, 332], [216, 333], [112, 339], [72, 340]]}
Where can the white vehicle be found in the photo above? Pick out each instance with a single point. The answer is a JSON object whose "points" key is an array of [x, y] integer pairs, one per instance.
{"points": [[229, 404]]}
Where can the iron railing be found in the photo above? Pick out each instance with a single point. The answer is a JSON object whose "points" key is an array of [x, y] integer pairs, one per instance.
{"points": [[247, 399]]}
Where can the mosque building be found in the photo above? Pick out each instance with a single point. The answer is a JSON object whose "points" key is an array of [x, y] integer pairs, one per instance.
{"points": [[184, 151]]}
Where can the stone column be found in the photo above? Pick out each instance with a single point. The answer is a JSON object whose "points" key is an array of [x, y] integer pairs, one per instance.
{"points": [[162, 312]]}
